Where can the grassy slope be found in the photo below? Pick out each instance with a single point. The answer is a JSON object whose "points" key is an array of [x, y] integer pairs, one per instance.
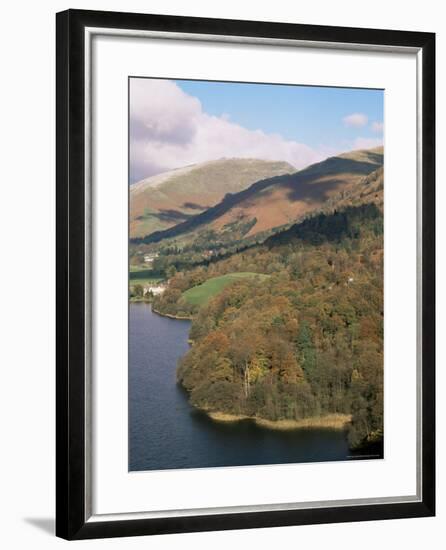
{"points": [[283, 199], [162, 201], [199, 295]]}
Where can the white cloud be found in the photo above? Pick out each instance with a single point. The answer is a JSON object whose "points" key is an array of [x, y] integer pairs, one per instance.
{"points": [[169, 129], [378, 127], [367, 143], [355, 120]]}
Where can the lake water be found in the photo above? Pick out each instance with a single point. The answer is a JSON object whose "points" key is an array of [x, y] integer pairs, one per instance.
{"points": [[165, 432]]}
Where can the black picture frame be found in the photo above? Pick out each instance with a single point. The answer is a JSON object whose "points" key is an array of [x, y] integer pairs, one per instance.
{"points": [[71, 517]]}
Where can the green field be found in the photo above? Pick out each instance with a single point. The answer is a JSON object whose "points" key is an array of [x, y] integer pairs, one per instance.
{"points": [[199, 295]]}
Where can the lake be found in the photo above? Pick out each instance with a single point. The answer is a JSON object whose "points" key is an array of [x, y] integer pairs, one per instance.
{"points": [[166, 432]]}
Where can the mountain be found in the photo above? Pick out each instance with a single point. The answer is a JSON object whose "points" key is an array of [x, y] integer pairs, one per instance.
{"points": [[164, 200], [283, 199]]}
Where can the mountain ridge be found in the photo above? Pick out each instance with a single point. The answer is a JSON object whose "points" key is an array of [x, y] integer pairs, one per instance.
{"points": [[164, 200], [279, 200]]}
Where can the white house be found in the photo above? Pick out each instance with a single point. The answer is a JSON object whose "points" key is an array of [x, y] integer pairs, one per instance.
{"points": [[148, 258], [155, 290]]}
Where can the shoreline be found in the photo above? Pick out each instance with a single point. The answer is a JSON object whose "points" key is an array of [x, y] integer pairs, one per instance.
{"points": [[335, 421], [171, 316]]}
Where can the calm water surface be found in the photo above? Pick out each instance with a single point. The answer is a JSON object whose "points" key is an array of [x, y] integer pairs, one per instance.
{"points": [[166, 432]]}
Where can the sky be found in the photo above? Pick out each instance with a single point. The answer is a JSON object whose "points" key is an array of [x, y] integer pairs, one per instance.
{"points": [[176, 123]]}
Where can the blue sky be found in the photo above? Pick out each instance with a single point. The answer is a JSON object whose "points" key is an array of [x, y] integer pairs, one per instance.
{"points": [[309, 114], [175, 123]]}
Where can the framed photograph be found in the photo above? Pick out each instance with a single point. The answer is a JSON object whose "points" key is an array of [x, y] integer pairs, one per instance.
{"points": [[245, 274]]}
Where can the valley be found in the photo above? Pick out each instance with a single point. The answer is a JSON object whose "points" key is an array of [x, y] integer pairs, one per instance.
{"points": [[282, 279]]}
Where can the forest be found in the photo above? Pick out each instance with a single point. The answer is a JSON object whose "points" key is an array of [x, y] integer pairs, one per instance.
{"points": [[302, 339]]}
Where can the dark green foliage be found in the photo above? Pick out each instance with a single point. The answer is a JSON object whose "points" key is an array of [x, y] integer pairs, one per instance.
{"points": [[337, 226], [305, 346]]}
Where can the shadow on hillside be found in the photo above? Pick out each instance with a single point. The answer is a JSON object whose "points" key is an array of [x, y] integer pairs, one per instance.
{"points": [[172, 216], [340, 224], [194, 206], [314, 184], [307, 186]]}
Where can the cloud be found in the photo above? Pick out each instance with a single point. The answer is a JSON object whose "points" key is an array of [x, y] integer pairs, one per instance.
{"points": [[355, 120], [169, 129], [378, 127], [367, 143]]}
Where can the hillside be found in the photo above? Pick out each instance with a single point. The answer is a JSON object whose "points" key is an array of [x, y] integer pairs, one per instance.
{"points": [[336, 220], [370, 188], [161, 201], [280, 200], [304, 342], [201, 294]]}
